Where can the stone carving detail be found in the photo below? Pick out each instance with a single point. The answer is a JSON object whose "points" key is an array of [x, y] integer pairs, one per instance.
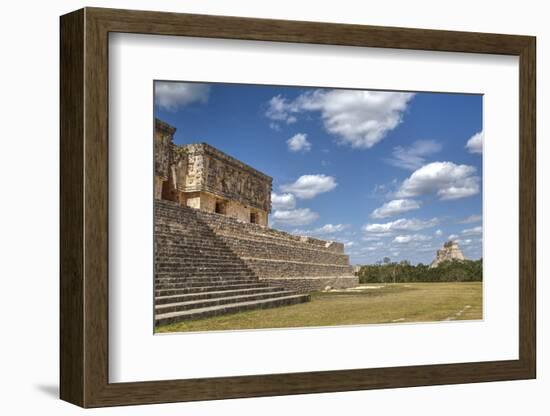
{"points": [[450, 251], [232, 179], [202, 177]]}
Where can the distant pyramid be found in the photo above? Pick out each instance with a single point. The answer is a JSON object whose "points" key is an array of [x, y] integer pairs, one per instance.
{"points": [[450, 251]]}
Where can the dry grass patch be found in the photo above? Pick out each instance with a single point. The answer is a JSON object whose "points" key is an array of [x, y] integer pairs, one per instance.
{"points": [[391, 303]]}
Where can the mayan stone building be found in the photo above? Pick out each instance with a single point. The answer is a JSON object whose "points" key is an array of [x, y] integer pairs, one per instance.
{"points": [[200, 176], [214, 251], [450, 251]]}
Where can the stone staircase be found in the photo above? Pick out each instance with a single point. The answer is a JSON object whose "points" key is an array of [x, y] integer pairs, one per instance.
{"points": [[197, 275], [300, 263]]}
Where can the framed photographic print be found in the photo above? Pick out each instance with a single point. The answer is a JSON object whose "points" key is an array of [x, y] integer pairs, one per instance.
{"points": [[256, 207]]}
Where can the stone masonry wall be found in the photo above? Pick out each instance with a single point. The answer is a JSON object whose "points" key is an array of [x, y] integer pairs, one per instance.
{"points": [[163, 148]]}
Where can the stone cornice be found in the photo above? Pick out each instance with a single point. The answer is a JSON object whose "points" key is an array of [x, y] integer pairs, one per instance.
{"points": [[205, 148]]}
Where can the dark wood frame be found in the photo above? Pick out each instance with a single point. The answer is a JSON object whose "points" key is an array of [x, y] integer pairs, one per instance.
{"points": [[84, 207]]}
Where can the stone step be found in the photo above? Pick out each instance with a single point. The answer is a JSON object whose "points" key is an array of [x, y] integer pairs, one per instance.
{"points": [[207, 262], [189, 232], [201, 270], [202, 255], [274, 250], [221, 224], [172, 317], [209, 272], [191, 250], [255, 238], [169, 271], [183, 249], [206, 273], [202, 289], [177, 275], [205, 303], [174, 299], [171, 224], [185, 236], [204, 276], [192, 244], [184, 283], [199, 264], [183, 229], [273, 268], [175, 278], [175, 226]]}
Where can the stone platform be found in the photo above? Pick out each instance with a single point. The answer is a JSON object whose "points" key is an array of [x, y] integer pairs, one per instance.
{"points": [[208, 264]]}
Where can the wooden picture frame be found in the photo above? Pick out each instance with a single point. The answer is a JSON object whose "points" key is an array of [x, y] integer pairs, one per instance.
{"points": [[84, 207]]}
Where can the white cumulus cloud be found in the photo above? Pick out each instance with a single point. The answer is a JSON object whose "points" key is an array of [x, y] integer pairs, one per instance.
{"points": [[445, 179], [401, 224], [414, 156], [324, 230], [301, 216], [283, 201], [405, 239], [309, 186], [299, 143], [470, 219], [357, 118], [281, 109], [472, 231], [475, 143], [173, 95], [331, 228], [438, 233], [395, 207]]}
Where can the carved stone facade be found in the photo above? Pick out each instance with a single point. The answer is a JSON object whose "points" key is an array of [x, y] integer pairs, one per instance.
{"points": [[450, 251], [202, 177]]}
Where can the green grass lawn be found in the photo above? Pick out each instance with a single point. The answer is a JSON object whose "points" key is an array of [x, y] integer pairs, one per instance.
{"points": [[389, 303]]}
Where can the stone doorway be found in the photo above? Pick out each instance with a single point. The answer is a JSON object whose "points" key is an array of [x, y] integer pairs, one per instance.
{"points": [[220, 207]]}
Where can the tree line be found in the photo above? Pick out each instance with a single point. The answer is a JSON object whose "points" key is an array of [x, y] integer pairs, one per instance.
{"points": [[387, 271]]}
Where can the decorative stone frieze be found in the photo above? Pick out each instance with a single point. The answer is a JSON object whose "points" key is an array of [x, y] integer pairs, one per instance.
{"points": [[203, 177]]}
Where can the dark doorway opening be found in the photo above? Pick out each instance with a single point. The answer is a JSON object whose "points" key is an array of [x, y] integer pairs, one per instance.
{"points": [[220, 207]]}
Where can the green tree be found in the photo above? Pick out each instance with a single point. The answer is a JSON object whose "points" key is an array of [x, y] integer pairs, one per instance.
{"points": [[447, 271]]}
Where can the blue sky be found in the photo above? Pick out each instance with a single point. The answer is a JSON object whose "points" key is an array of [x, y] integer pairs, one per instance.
{"points": [[391, 174]]}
